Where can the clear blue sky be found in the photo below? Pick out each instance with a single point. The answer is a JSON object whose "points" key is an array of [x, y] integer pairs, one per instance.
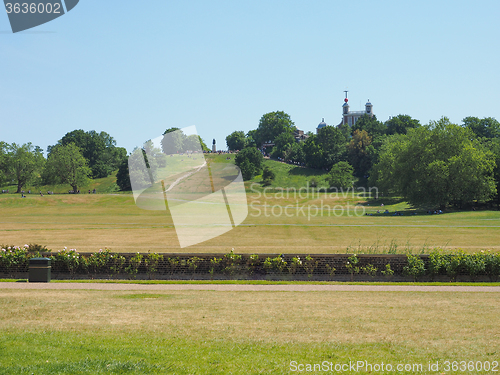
{"points": [[136, 68]]}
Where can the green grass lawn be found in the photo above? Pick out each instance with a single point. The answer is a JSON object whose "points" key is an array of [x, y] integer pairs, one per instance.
{"points": [[208, 332], [282, 218]]}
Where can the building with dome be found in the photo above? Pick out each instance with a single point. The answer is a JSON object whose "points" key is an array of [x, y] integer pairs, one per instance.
{"points": [[349, 117]]}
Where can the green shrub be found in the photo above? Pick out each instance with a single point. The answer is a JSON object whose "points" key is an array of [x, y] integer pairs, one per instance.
{"points": [[133, 265], [214, 266], [455, 264], [415, 267], [252, 263], [231, 263], [492, 265], [14, 258], [275, 265], [352, 265], [330, 270], [310, 265], [97, 262], [151, 262], [172, 264], [437, 263], [193, 264], [369, 270], [388, 272], [474, 264], [68, 260], [116, 263], [295, 264]]}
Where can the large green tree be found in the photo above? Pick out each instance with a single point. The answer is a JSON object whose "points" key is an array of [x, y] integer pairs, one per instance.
{"points": [[333, 144], [236, 140], [273, 124], [341, 176], [371, 125], [361, 152], [250, 161], [436, 165], [3, 162], [24, 163], [99, 149], [66, 164], [487, 127], [400, 124]]}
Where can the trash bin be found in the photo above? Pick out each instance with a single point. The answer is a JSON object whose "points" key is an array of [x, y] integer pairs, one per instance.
{"points": [[39, 270]]}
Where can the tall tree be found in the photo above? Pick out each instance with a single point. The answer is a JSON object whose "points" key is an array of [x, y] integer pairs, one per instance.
{"points": [[333, 144], [3, 162], [271, 125], [24, 163], [361, 152], [99, 149], [487, 127], [400, 124], [236, 141], [173, 141], [66, 164], [436, 165], [372, 126], [250, 161]]}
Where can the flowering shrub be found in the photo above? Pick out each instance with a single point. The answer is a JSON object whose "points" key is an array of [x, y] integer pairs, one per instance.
{"points": [[352, 265], [133, 265], [275, 265], [69, 260], [97, 262], [295, 264]]}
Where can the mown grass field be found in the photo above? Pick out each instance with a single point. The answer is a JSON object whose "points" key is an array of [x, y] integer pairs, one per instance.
{"points": [[293, 221], [213, 332]]}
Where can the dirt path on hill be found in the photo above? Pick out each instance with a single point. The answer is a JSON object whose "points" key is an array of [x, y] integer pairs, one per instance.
{"points": [[250, 288]]}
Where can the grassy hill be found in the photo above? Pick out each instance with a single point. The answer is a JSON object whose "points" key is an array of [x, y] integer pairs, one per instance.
{"points": [[102, 185]]}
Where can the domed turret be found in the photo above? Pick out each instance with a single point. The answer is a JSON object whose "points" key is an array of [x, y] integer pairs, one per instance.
{"points": [[369, 108], [321, 125]]}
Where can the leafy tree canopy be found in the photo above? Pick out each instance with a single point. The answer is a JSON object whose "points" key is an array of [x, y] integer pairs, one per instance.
{"points": [[250, 161], [436, 165], [273, 124], [487, 127], [400, 124], [66, 164], [370, 124], [236, 141]]}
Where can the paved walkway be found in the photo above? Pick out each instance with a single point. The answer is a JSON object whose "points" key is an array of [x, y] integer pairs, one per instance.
{"points": [[251, 288]]}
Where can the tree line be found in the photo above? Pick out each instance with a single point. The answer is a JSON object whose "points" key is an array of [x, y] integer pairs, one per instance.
{"points": [[75, 159], [436, 164]]}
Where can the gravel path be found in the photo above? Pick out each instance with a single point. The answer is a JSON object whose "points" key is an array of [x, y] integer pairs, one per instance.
{"points": [[251, 288]]}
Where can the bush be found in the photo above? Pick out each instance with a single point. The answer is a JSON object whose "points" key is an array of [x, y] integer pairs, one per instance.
{"points": [[388, 272], [133, 265], [151, 262], [437, 263], [116, 263], [68, 260], [97, 262], [275, 265], [492, 265], [295, 264], [193, 264], [415, 267], [454, 265], [310, 265], [369, 270], [474, 264], [231, 263], [352, 265]]}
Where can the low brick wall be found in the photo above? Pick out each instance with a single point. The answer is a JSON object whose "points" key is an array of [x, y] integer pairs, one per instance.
{"points": [[244, 269]]}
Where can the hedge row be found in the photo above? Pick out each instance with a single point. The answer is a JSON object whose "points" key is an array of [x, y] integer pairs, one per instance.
{"points": [[104, 263]]}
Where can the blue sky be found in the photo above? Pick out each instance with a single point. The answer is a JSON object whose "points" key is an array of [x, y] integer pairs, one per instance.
{"points": [[136, 68]]}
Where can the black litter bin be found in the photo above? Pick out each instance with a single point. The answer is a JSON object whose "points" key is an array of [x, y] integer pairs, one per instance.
{"points": [[39, 271]]}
